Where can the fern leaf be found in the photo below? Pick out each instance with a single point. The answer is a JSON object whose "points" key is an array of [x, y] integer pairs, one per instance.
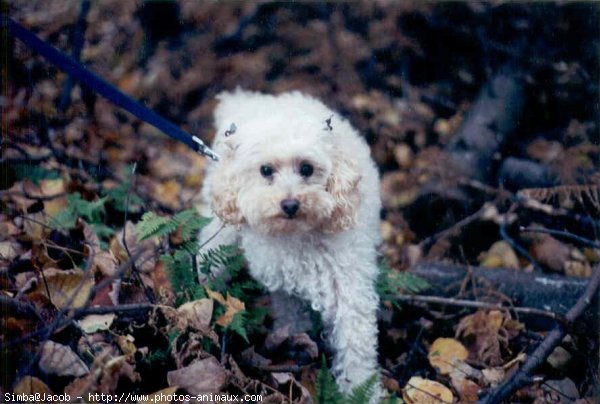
{"points": [[326, 390], [152, 225], [362, 393], [391, 282], [238, 325]]}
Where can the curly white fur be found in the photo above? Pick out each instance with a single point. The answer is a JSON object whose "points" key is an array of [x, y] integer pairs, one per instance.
{"points": [[326, 253]]}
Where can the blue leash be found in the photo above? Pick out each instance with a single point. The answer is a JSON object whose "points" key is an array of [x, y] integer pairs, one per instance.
{"points": [[107, 90]]}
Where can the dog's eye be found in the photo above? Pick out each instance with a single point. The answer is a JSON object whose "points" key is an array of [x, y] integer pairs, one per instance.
{"points": [[306, 170], [266, 171]]}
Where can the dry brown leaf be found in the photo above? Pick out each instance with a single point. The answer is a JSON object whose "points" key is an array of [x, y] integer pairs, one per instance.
{"points": [[60, 360], [114, 370], [103, 261], [68, 289], [493, 376], [464, 379], [96, 322], [232, 306], [550, 252], [34, 226], [196, 314], [485, 332], [300, 394], [444, 352], [31, 385], [467, 389], [168, 193], [9, 250], [143, 250], [425, 391], [201, 376]]}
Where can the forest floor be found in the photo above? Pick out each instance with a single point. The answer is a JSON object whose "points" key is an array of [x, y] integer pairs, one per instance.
{"points": [[482, 118]]}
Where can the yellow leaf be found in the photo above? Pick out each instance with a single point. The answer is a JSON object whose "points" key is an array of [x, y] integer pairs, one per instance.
{"points": [[232, 306], [424, 391], [68, 289], [216, 296], [444, 352], [168, 193], [50, 188]]}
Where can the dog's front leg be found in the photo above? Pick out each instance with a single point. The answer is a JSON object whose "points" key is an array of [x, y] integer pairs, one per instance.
{"points": [[353, 332]]}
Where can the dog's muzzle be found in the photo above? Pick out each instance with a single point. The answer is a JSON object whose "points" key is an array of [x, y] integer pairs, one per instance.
{"points": [[290, 207]]}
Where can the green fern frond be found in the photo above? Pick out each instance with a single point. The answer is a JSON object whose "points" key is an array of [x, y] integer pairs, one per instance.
{"points": [[179, 268], [238, 325], [189, 223], [362, 393], [391, 282], [326, 389], [152, 225], [224, 256], [77, 207]]}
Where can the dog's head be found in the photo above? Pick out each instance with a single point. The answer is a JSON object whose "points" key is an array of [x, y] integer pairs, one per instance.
{"points": [[286, 169]]}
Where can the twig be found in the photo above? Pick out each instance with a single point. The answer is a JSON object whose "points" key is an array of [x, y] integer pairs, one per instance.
{"points": [[513, 243], [123, 308], [448, 301], [562, 233], [134, 268], [19, 308], [523, 376], [78, 40], [426, 243]]}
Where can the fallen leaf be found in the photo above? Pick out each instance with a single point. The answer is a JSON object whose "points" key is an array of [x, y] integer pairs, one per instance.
{"points": [[196, 314], [464, 379], [96, 322], [9, 250], [68, 289], [143, 250], [565, 387], [444, 352], [295, 390], [232, 306], [31, 385], [103, 261], [127, 344], [168, 193], [493, 376], [500, 255], [550, 252], [114, 370], [200, 377], [485, 332], [52, 188], [60, 360], [559, 358], [425, 391]]}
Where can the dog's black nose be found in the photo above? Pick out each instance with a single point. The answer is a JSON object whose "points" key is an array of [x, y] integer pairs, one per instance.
{"points": [[290, 207]]}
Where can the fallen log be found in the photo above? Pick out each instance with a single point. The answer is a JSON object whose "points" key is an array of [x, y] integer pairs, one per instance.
{"points": [[471, 154], [549, 292]]}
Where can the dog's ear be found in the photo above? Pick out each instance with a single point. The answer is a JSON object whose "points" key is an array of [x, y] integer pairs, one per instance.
{"points": [[342, 184], [224, 185]]}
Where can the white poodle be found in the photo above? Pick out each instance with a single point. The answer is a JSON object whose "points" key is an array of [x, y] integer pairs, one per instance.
{"points": [[297, 190]]}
